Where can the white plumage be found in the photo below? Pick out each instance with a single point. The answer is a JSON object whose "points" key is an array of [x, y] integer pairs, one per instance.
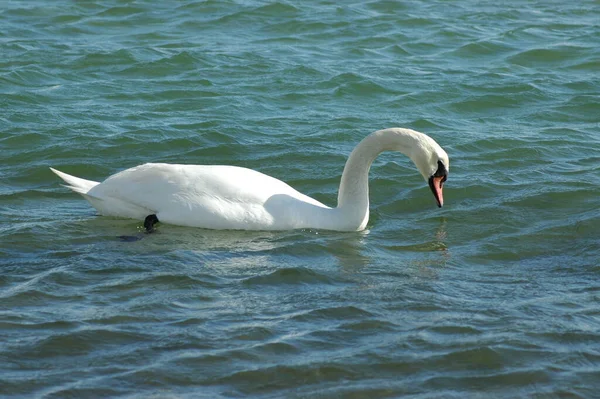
{"points": [[230, 197]]}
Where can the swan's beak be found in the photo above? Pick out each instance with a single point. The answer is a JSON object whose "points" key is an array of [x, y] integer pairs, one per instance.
{"points": [[436, 183]]}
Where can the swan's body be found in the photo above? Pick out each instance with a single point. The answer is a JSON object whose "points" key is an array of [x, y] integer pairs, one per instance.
{"points": [[230, 197]]}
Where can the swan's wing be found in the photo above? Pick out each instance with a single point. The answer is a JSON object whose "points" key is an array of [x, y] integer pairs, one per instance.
{"points": [[151, 183], [212, 196]]}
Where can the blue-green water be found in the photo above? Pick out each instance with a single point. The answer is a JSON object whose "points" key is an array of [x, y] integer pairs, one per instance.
{"points": [[494, 295]]}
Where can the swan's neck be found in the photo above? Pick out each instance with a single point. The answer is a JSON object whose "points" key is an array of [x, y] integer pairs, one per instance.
{"points": [[353, 196]]}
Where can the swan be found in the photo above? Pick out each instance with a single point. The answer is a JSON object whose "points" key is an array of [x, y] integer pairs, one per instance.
{"points": [[231, 197]]}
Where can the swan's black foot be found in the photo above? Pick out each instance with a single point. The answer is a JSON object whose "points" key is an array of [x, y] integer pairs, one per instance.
{"points": [[149, 223]]}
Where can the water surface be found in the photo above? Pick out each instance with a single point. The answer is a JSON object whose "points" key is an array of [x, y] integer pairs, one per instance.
{"points": [[495, 295]]}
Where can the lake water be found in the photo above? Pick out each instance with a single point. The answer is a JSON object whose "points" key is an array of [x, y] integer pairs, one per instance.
{"points": [[495, 295]]}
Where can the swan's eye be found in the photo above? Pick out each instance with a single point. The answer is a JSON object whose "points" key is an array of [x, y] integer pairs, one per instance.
{"points": [[441, 171]]}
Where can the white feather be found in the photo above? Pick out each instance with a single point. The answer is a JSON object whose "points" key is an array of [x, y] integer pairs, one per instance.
{"points": [[230, 197]]}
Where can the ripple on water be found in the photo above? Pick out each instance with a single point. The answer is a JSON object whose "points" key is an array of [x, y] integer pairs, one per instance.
{"points": [[80, 342], [34, 297], [548, 57], [335, 313], [493, 295], [296, 275], [272, 379]]}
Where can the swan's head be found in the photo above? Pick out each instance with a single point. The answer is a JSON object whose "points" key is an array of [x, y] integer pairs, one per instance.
{"points": [[431, 160], [436, 182], [433, 163]]}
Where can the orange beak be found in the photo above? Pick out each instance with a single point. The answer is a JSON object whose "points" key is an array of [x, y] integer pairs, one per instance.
{"points": [[436, 184]]}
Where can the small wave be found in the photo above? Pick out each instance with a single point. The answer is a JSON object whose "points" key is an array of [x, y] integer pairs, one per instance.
{"points": [[221, 359], [488, 104], [588, 65], [103, 60], [80, 343], [353, 84], [398, 50], [370, 326], [458, 330], [297, 275], [30, 76], [547, 56], [484, 357], [546, 198], [284, 377], [43, 326], [120, 11], [335, 313], [493, 382], [253, 333], [33, 297], [430, 246], [166, 66], [271, 12], [480, 49], [160, 281], [276, 349], [276, 9]]}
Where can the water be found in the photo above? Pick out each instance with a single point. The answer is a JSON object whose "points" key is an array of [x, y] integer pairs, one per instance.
{"points": [[495, 295]]}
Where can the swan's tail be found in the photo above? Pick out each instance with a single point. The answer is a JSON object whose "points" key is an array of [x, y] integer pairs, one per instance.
{"points": [[76, 184], [109, 206]]}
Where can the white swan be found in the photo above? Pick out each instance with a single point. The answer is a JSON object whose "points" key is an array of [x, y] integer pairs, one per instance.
{"points": [[230, 197]]}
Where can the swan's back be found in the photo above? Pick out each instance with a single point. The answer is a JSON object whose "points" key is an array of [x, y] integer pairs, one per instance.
{"points": [[211, 196]]}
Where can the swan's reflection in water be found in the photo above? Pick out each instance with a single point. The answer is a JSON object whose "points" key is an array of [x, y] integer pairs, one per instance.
{"points": [[304, 248], [260, 250], [431, 265], [437, 243], [407, 257]]}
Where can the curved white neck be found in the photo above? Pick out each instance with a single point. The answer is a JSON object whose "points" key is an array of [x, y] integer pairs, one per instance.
{"points": [[353, 196]]}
